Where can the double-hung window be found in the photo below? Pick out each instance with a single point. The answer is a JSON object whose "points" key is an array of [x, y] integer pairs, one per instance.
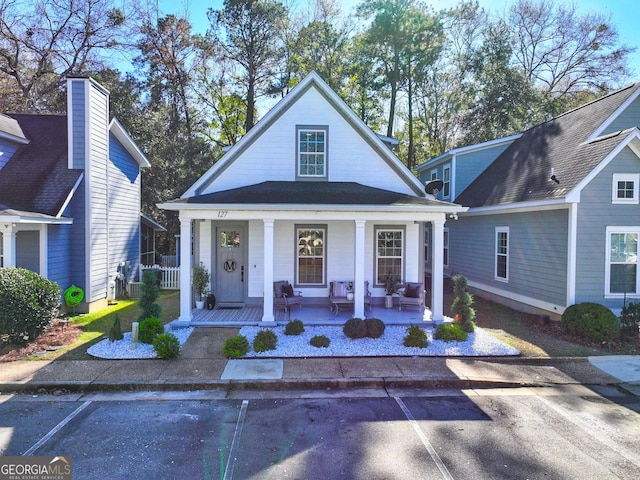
{"points": [[311, 253], [312, 152], [621, 276], [502, 254], [389, 254], [625, 188]]}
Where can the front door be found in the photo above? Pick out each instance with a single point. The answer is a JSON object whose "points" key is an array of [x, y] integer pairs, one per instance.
{"points": [[230, 267]]}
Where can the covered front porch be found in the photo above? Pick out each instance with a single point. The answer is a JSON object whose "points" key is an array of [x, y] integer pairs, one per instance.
{"points": [[308, 314]]}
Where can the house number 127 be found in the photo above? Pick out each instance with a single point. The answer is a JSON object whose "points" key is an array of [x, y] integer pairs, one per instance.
{"points": [[222, 213]]}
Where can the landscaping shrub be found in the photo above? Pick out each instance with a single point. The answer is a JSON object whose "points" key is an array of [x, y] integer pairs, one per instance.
{"points": [[461, 306], [28, 304], [294, 327], [116, 330], [375, 327], [355, 328], [591, 321], [451, 332], [416, 337], [149, 293], [149, 328], [320, 341], [630, 317], [236, 347], [265, 340], [166, 345]]}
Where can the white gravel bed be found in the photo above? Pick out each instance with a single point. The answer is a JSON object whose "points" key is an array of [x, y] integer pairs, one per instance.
{"points": [[121, 349], [478, 343]]}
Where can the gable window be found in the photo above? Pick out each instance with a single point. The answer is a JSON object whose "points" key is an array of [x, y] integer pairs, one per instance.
{"points": [[621, 276], [311, 255], [625, 188], [389, 254], [446, 179], [434, 175], [312, 152], [502, 254]]}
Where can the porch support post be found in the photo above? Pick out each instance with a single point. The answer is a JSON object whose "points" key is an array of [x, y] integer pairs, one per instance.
{"points": [[437, 261], [185, 272], [8, 245], [267, 295], [358, 284]]}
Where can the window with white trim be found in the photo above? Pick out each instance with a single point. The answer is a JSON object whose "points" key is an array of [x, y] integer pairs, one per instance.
{"points": [[312, 152], [311, 255], [445, 250], [389, 254], [502, 254], [625, 188], [446, 179], [621, 276], [434, 175]]}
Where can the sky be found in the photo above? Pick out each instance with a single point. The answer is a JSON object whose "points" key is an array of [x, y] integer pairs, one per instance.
{"points": [[624, 15]]}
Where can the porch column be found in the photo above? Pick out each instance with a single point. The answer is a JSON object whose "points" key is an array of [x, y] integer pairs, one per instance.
{"points": [[437, 260], [8, 245], [185, 272], [267, 290], [358, 281]]}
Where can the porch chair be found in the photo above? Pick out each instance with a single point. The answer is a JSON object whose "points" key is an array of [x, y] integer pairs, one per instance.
{"points": [[338, 292], [412, 295], [284, 297]]}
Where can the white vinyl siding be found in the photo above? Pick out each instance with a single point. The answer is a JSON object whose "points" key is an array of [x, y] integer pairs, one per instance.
{"points": [[625, 188], [502, 254], [621, 276]]}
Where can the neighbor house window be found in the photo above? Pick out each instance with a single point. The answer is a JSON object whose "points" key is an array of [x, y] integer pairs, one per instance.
{"points": [[434, 175], [446, 179], [502, 253], [621, 276], [625, 188], [311, 253], [445, 249], [312, 152], [389, 254]]}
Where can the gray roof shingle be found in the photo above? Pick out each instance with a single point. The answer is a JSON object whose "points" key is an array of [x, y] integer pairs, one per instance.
{"points": [[522, 172]]}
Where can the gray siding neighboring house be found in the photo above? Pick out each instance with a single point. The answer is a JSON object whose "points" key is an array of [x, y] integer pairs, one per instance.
{"points": [[554, 218], [70, 193]]}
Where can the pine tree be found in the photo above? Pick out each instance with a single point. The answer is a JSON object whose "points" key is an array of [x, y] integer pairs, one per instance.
{"points": [[461, 306], [116, 331]]}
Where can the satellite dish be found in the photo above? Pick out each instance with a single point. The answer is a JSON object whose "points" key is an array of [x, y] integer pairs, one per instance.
{"points": [[433, 187]]}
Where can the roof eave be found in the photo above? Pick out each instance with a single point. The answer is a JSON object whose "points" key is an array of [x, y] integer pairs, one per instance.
{"points": [[127, 142]]}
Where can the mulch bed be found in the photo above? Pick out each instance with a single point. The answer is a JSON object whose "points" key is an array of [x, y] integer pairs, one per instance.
{"points": [[59, 334]]}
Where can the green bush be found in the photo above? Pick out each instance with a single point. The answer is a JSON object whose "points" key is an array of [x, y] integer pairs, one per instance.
{"points": [[149, 328], [294, 327], [320, 341], [416, 337], [630, 317], [451, 332], [355, 328], [149, 293], [166, 345], [28, 304], [462, 301], [591, 321], [375, 327], [236, 347], [265, 340], [115, 333]]}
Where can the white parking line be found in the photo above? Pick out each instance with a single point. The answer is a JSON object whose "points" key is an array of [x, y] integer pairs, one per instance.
{"points": [[56, 429], [231, 463], [425, 441]]}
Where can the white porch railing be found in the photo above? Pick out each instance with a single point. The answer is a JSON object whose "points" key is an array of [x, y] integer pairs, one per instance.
{"points": [[170, 279]]}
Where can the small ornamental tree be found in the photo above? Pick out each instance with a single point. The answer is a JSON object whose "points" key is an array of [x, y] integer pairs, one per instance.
{"points": [[149, 293], [461, 306], [116, 330]]}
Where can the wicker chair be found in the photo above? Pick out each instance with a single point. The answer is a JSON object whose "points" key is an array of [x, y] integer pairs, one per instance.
{"points": [[412, 295], [284, 297]]}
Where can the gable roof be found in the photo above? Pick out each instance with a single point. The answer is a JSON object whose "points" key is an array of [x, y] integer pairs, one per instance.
{"points": [[36, 178], [312, 80], [522, 173], [303, 195], [10, 130]]}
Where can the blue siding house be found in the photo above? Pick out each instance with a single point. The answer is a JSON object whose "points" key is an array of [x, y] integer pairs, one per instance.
{"points": [[70, 194], [554, 212]]}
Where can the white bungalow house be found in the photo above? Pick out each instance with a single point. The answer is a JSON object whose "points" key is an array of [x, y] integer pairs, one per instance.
{"points": [[309, 195]]}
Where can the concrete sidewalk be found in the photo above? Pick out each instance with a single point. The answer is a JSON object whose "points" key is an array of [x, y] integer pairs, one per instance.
{"points": [[200, 367]]}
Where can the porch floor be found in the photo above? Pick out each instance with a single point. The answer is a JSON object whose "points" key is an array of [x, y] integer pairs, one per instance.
{"points": [[310, 315]]}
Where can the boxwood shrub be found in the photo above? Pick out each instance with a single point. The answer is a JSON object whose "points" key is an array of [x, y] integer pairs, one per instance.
{"points": [[28, 304], [355, 328], [451, 332], [166, 345], [236, 347], [591, 321], [265, 340], [320, 341], [375, 327], [149, 328], [415, 337], [294, 327]]}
